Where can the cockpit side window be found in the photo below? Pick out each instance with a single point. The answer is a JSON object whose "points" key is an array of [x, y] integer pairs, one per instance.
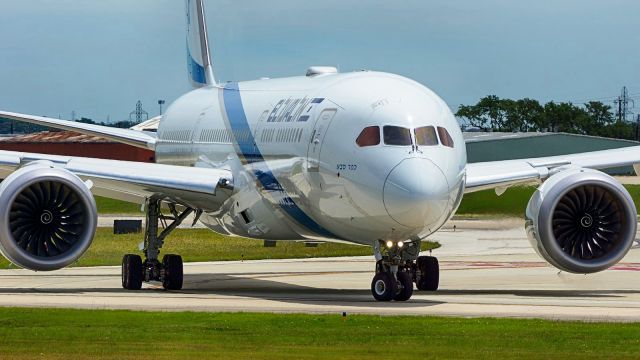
{"points": [[445, 138], [369, 136], [395, 135], [426, 136]]}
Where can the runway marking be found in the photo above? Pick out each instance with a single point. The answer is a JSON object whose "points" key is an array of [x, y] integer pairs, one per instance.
{"points": [[471, 265], [626, 267]]}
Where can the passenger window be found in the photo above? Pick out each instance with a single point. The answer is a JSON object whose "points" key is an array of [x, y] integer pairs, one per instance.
{"points": [[445, 138], [395, 135], [426, 136], [369, 136]]}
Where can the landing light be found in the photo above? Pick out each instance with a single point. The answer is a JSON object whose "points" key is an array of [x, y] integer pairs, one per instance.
{"points": [[389, 244], [400, 244]]}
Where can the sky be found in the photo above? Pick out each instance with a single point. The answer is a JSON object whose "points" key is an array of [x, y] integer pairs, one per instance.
{"points": [[97, 58]]}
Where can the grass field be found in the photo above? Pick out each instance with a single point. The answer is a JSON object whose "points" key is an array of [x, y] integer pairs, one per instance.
{"points": [[111, 206], [205, 245], [87, 334]]}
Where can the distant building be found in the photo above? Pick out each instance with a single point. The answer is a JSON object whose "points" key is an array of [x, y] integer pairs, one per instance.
{"points": [[74, 144]]}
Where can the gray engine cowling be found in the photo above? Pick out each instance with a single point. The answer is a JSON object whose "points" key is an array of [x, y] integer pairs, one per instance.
{"points": [[48, 217], [581, 221]]}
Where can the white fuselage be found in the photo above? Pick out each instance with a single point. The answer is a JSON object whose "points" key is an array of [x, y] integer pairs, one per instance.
{"points": [[297, 168]]}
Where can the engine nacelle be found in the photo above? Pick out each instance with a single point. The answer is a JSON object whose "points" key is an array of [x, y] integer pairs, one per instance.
{"points": [[48, 217], [581, 221]]}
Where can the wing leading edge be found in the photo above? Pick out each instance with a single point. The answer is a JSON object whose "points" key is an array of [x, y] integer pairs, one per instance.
{"points": [[502, 174], [127, 136], [200, 188]]}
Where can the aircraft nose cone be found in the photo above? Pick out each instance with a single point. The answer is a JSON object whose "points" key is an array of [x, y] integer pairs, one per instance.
{"points": [[416, 193]]}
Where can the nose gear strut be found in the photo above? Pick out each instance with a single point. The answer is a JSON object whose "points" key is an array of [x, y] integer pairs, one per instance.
{"points": [[398, 266]]}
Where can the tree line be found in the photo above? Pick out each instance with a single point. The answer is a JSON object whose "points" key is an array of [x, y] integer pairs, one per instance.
{"points": [[492, 113]]}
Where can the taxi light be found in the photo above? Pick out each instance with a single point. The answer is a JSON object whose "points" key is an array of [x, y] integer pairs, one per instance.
{"points": [[400, 244], [389, 244]]}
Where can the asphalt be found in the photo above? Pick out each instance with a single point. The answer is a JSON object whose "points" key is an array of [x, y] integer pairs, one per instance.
{"points": [[488, 269]]}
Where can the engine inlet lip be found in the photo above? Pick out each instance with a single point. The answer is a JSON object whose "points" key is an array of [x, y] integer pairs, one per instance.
{"points": [[547, 209], [9, 190]]}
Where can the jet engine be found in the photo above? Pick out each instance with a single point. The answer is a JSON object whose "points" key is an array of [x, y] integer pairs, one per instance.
{"points": [[581, 221], [48, 217]]}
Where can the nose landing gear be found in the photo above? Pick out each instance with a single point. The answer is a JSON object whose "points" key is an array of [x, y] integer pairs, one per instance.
{"points": [[169, 271], [398, 266], [384, 286]]}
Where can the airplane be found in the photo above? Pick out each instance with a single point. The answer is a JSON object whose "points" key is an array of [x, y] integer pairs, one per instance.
{"points": [[363, 157]]}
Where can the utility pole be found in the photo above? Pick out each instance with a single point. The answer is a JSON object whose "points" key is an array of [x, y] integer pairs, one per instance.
{"points": [[622, 103]]}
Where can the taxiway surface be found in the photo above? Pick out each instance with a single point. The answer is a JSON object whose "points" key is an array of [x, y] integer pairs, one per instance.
{"points": [[487, 269]]}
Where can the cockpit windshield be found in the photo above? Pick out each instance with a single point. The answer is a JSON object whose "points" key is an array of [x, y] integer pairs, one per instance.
{"points": [[426, 136], [395, 135], [369, 136], [401, 136], [445, 138]]}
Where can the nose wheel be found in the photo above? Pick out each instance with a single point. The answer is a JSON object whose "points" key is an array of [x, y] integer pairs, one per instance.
{"points": [[405, 290], [398, 267], [384, 286]]}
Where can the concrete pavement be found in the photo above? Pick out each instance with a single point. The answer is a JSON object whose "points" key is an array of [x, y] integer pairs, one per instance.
{"points": [[487, 269]]}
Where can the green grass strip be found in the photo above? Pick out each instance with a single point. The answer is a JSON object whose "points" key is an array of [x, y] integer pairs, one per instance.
{"points": [[111, 206], [205, 245], [93, 334]]}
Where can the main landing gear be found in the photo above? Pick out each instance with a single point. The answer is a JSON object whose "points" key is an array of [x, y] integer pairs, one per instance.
{"points": [[398, 266], [169, 271]]}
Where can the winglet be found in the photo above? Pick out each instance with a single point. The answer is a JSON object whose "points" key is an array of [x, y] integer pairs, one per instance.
{"points": [[198, 56]]}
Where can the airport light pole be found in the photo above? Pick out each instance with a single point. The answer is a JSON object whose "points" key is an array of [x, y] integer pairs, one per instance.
{"points": [[160, 103]]}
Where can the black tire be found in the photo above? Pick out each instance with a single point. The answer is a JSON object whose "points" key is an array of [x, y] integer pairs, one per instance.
{"points": [[173, 273], [383, 286], [406, 283], [132, 272], [429, 273]]}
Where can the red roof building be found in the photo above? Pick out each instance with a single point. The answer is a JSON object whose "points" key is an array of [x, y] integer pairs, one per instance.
{"points": [[74, 144]]}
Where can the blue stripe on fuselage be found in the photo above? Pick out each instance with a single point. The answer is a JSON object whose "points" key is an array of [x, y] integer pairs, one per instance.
{"points": [[251, 153]]}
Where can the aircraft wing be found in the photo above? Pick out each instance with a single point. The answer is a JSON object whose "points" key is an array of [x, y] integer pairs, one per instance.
{"points": [[504, 173], [135, 138], [199, 188]]}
